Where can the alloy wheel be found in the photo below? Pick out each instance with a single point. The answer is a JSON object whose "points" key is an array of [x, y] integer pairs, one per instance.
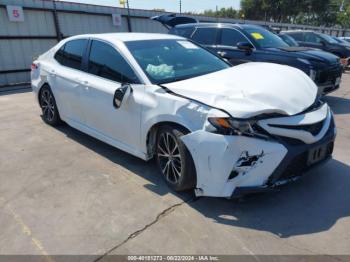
{"points": [[47, 105], [169, 157]]}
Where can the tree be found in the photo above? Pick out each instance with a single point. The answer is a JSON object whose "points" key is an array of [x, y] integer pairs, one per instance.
{"points": [[223, 12], [313, 12], [343, 17]]}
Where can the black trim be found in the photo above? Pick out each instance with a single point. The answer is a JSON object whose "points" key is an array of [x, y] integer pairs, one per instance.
{"points": [[295, 151], [24, 85], [14, 71], [86, 55], [11, 37]]}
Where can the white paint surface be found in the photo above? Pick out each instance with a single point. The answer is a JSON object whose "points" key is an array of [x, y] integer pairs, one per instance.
{"points": [[85, 102]]}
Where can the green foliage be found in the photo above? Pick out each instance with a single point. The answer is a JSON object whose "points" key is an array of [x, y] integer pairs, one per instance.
{"points": [[288, 11], [223, 12], [311, 12], [343, 17]]}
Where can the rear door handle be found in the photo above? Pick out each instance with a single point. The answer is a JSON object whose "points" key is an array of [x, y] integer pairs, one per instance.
{"points": [[52, 73]]}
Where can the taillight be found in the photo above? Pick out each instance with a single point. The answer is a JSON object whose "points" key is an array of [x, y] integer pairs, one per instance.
{"points": [[34, 66]]}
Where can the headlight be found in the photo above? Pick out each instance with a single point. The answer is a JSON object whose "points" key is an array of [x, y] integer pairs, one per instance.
{"points": [[313, 74], [228, 126]]}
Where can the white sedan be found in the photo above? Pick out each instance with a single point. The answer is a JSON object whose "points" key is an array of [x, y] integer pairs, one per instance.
{"points": [[221, 130]]}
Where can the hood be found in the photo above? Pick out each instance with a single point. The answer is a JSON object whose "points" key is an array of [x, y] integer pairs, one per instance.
{"points": [[306, 53], [251, 89]]}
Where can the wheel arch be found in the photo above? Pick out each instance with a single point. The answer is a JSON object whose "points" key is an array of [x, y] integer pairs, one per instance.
{"points": [[153, 131]]}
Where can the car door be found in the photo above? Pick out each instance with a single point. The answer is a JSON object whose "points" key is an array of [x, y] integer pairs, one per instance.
{"points": [[106, 71], [65, 80], [227, 46], [313, 40]]}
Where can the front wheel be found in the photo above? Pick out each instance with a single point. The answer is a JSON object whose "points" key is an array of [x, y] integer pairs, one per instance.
{"points": [[174, 160]]}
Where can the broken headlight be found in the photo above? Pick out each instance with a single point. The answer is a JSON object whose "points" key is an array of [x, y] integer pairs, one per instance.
{"points": [[229, 126]]}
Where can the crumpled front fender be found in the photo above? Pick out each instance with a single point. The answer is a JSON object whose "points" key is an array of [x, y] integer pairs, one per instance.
{"points": [[224, 163]]}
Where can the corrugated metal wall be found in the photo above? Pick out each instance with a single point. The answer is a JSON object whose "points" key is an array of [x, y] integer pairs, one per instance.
{"points": [[21, 41]]}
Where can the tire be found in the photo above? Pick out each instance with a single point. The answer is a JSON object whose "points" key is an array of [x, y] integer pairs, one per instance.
{"points": [[174, 160], [48, 106]]}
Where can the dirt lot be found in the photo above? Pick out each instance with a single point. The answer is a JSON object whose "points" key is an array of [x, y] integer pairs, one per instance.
{"points": [[63, 192]]}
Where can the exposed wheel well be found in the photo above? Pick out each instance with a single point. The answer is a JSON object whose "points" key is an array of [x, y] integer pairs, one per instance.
{"points": [[153, 131]]}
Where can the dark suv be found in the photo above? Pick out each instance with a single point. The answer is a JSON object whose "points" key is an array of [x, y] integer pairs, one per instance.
{"points": [[322, 41], [241, 43]]}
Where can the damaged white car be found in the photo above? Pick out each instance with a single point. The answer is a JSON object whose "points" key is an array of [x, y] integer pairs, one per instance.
{"points": [[221, 130]]}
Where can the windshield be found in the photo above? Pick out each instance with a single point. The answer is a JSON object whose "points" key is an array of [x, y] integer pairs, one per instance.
{"points": [[329, 39], [336, 39], [265, 39], [172, 60]]}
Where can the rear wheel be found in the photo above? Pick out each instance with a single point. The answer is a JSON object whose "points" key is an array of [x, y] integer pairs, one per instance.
{"points": [[49, 107], [174, 160]]}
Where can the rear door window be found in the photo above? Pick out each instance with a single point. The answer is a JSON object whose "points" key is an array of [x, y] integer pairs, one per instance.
{"points": [[205, 36], [71, 54], [105, 61], [231, 37], [297, 36], [312, 38]]}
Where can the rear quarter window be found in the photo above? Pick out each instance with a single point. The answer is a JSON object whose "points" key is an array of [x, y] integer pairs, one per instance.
{"points": [[205, 36], [71, 54], [185, 32]]}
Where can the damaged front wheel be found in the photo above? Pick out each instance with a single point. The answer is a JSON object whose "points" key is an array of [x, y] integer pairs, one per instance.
{"points": [[174, 160]]}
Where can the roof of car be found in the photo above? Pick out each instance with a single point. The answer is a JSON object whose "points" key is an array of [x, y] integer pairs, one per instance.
{"points": [[126, 37], [241, 26], [298, 31]]}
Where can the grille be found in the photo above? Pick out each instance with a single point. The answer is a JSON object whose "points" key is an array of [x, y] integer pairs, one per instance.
{"points": [[329, 75], [314, 129], [298, 164], [296, 167]]}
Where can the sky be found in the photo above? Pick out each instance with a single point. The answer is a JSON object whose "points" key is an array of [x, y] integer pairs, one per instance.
{"points": [[168, 5]]}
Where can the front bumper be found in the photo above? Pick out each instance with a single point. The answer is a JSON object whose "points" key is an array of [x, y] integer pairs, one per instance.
{"points": [[233, 165], [329, 80], [293, 165]]}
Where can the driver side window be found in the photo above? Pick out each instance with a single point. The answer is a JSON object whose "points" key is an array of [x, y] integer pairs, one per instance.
{"points": [[231, 37], [106, 62], [312, 38]]}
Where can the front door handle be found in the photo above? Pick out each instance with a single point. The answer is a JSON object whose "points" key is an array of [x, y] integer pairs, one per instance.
{"points": [[222, 53], [85, 84]]}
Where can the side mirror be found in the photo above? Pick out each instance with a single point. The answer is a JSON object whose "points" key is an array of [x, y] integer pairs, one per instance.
{"points": [[121, 94], [248, 47]]}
